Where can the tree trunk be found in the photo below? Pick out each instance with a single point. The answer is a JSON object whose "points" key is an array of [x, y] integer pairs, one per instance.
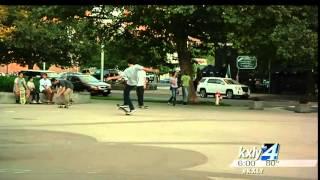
{"points": [[30, 64], [310, 89], [185, 63]]}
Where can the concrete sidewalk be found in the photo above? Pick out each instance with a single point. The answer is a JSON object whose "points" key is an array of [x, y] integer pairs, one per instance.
{"points": [[97, 141], [269, 100]]}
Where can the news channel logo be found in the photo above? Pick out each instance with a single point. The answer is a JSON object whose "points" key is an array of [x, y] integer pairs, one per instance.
{"points": [[253, 160]]}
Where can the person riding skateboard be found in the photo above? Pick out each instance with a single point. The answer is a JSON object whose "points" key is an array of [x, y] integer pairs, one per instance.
{"points": [[130, 75], [65, 91]]}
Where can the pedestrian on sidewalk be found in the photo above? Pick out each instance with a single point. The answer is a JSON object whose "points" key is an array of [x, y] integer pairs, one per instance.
{"points": [[130, 75], [173, 88], [185, 78], [141, 86]]}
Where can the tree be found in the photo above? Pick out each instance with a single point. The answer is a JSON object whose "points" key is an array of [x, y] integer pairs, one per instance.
{"points": [[58, 35], [281, 35], [173, 26]]}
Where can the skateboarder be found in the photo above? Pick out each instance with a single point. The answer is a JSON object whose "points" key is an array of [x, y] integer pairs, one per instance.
{"points": [[130, 75], [20, 89], [64, 93]]}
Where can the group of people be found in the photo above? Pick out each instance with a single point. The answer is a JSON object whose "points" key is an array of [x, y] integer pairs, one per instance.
{"points": [[63, 89], [174, 85], [134, 76]]}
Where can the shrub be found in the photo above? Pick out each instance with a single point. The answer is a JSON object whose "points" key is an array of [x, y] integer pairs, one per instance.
{"points": [[6, 83]]}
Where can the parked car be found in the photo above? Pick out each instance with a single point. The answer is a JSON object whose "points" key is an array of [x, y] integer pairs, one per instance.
{"points": [[38, 73], [64, 75], [225, 86], [165, 80], [106, 73], [150, 77], [88, 83]]}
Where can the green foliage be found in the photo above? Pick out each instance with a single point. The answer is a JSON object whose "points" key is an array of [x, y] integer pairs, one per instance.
{"points": [[56, 35], [285, 34], [7, 83]]}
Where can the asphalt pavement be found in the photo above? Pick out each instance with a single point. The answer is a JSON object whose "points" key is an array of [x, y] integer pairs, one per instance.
{"points": [[97, 141]]}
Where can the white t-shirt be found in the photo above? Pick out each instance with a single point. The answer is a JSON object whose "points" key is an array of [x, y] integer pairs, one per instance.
{"points": [[30, 85], [141, 78], [131, 73], [174, 82], [44, 83]]}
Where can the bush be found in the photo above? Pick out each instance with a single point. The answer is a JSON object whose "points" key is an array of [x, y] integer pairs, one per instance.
{"points": [[6, 83]]}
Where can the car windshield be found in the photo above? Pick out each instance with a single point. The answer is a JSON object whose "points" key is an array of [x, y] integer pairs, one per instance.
{"points": [[89, 79], [52, 74], [231, 81]]}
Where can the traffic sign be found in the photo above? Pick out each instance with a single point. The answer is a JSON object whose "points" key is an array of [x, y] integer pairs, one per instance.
{"points": [[246, 62]]}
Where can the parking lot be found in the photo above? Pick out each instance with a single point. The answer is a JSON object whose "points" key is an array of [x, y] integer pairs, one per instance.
{"points": [[97, 141]]}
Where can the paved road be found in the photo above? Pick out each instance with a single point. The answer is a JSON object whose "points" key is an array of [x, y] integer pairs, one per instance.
{"points": [[270, 100], [96, 141]]}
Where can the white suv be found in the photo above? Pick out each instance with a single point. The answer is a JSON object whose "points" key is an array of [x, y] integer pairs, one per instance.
{"points": [[226, 86]]}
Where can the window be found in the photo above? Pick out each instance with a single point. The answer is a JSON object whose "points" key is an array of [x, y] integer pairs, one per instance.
{"points": [[218, 81], [74, 78], [203, 79], [231, 81], [212, 81]]}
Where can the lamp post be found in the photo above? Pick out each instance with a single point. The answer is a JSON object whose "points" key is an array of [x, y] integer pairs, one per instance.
{"points": [[102, 62]]}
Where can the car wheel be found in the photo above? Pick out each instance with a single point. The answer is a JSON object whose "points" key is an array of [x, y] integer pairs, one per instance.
{"points": [[203, 93], [229, 94]]}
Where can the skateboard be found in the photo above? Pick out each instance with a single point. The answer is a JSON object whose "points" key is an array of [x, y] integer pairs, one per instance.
{"points": [[22, 96], [63, 106], [123, 109]]}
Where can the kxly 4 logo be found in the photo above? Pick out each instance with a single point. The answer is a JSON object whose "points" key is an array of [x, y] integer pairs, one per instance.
{"points": [[266, 152]]}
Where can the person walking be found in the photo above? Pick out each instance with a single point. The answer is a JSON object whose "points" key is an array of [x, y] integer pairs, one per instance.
{"points": [[130, 75], [141, 86], [173, 87], [185, 78]]}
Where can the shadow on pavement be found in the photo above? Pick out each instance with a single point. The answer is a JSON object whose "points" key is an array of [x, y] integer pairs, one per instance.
{"points": [[35, 154]]}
